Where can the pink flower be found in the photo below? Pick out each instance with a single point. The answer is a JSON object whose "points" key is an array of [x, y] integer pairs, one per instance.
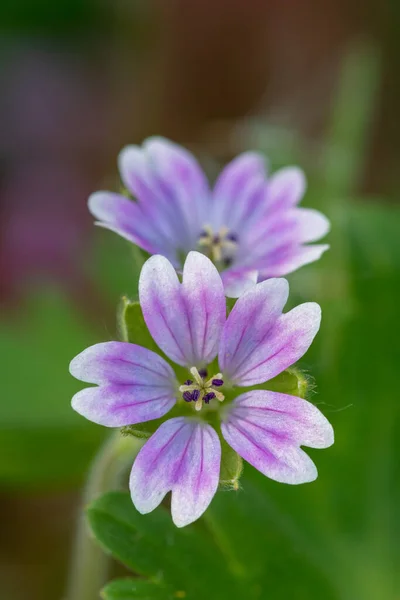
{"points": [[249, 225], [253, 344]]}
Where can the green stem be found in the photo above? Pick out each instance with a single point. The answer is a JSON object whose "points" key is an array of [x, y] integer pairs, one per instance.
{"points": [[89, 564]]}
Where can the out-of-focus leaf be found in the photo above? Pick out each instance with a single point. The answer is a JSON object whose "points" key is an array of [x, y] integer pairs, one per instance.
{"points": [[41, 437], [130, 589], [116, 265], [348, 518]]}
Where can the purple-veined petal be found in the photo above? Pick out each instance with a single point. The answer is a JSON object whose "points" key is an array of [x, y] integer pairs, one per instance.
{"points": [[178, 166], [258, 342], [182, 456], [268, 428], [185, 320], [156, 211], [239, 191], [135, 384], [237, 282], [125, 217], [170, 187], [291, 259], [254, 313], [268, 241], [286, 188]]}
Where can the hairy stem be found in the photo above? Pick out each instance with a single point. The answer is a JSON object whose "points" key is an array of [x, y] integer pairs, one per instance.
{"points": [[90, 566]]}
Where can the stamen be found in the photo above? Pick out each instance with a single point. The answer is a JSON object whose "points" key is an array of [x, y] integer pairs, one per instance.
{"points": [[220, 397], [196, 375], [208, 397], [198, 404], [220, 246], [201, 390]]}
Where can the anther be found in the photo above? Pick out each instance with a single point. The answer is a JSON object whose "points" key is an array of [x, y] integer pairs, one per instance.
{"points": [[187, 396], [195, 395], [208, 397]]}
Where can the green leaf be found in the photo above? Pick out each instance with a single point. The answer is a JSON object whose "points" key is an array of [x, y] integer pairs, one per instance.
{"points": [[129, 589], [185, 559]]}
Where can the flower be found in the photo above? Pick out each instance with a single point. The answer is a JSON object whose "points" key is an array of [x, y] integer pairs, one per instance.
{"points": [[250, 226], [254, 343]]}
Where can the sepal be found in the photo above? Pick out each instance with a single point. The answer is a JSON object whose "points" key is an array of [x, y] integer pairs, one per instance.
{"points": [[231, 467], [131, 325], [292, 381]]}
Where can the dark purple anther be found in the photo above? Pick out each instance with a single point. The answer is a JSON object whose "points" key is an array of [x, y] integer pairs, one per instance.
{"points": [[203, 234], [216, 239], [188, 382], [217, 382], [187, 396], [232, 237], [203, 373], [195, 395], [208, 397]]}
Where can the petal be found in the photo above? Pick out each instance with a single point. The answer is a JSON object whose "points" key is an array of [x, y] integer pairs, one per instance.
{"points": [[268, 428], [122, 363], [286, 188], [119, 214], [174, 163], [185, 320], [237, 282], [254, 313], [182, 456], [283, 263], [311, 225], [135, 384], [258, 342], [170, 187], [239, 191]]}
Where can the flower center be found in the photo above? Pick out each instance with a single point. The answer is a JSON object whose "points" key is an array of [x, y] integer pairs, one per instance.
{"points": [[220, 246], [199, 389]]}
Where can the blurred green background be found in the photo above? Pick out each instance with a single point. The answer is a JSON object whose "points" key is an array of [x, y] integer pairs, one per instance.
{"points": [[307, 84]]}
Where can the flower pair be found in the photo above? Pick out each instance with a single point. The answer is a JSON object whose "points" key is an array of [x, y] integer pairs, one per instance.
{"points": [[253, 344], [248, 229]]}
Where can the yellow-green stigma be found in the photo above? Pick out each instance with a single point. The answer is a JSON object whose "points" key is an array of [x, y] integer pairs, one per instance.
{"points": [[200, 389]]}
